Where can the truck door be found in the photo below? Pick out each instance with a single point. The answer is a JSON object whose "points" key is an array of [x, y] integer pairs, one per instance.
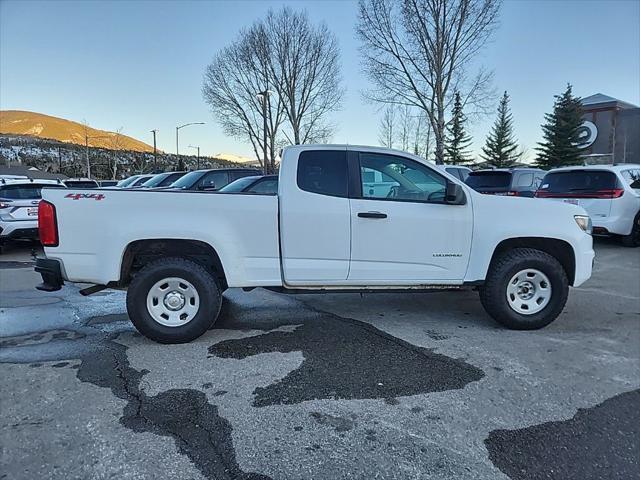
{"points": [[315, 226], [402, 231]]}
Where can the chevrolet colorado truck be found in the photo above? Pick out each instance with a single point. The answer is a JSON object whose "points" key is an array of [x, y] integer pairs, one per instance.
{"points": [[345, 218]]}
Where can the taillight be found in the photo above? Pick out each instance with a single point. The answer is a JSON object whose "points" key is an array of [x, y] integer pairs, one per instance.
{"points": [[605, 193], [610, 193], [513, 194], [47, 224]]}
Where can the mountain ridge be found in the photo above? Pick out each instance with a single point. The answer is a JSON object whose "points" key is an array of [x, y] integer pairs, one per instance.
{"points": [[40, 125]]}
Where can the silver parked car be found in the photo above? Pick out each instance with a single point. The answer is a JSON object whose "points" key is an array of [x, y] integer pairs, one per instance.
{"points": [[19, 201]]}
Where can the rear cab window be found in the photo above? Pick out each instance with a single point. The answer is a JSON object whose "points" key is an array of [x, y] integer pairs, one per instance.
{"points": [[324, 172], [578, 183]]}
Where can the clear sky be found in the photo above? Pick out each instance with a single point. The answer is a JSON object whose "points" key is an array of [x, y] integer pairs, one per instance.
{"points": [[139, 64]]}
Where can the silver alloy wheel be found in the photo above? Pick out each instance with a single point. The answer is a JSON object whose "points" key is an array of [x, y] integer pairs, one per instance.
{"points": [[528, 291], [173, 302]]}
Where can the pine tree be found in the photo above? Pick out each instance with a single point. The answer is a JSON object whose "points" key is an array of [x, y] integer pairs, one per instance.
{"points": [[500, 148], [562, 144], [457, 139]]}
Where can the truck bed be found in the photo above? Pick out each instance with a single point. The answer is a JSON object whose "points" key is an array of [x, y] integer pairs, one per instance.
{"points": [[100, 224]]}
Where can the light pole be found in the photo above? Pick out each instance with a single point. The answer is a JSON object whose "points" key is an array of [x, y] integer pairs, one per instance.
{"points": [[155, 159], [177, 144], [264, 97], [198, 160]]}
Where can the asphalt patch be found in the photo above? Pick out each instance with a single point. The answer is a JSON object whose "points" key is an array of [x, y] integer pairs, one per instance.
{"points": [[185, 415], [597, 443], [348, 359]]}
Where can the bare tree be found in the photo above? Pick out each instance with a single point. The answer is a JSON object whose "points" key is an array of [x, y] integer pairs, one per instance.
{"points": [[231, 84], [422, 136], [418, 52], [387, 133], [304, 65], [116, 144], [284, 53], [406, 127]]}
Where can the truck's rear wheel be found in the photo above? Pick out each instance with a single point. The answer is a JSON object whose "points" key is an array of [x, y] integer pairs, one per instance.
{"points": [[525, 289], [173, 300]]}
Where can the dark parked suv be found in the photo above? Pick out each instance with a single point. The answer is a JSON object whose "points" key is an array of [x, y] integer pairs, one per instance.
{"points": [[518, 182], [212, 180]]}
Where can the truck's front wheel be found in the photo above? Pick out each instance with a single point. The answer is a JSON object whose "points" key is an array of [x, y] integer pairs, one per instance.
{"points": [[525, 289], [173, 300]]}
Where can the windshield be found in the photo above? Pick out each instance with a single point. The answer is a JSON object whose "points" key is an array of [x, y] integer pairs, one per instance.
{"points": [[128, 181], [140, 181], [239, 185], [26, 191], [188, 180], [156, 180], [491, 180], [578, 181]]}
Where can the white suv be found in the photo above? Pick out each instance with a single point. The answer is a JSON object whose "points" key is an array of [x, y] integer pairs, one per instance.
{"points": [[19, 199], [609, 193]]}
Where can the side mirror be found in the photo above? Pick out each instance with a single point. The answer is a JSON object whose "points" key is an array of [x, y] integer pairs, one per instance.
{"points": [[455, 194]]}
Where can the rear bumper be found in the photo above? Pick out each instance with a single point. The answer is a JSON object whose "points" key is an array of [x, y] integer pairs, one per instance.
{"points": [[51, 275], [16, 230], [617, 225]]}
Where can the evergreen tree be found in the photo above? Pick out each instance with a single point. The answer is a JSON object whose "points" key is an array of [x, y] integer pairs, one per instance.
{"points": [[561, 144], [500, 148], [457, 139]]}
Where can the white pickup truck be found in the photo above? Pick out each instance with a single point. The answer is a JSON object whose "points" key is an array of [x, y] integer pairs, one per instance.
{"points": [[345, 218]]}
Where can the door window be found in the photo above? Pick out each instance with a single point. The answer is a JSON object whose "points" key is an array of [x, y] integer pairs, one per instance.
{"points": [[632, 177], [525, 180], [214, 180], [268, 186], [324, 172], [391, 177]]}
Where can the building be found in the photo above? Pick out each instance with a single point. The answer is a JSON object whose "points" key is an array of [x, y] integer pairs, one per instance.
{"points": [[611, 130]]}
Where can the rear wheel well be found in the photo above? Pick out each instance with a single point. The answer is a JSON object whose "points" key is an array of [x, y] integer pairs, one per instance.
{"points": [[559, 249], [141, 252]]}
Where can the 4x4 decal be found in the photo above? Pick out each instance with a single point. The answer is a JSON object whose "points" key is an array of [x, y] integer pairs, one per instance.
{"points": [[78, 196]]}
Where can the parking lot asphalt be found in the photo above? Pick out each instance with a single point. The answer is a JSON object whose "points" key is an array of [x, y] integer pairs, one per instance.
{"points": [[406, 386]]}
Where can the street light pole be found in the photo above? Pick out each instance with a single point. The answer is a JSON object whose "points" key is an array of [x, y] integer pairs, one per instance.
{"points": [[264, 95], [177, 144], [155, 158], [198, 158]]}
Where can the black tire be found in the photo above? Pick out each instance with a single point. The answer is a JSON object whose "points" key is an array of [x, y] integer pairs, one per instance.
{"points": [[493, 294], [633, 239], [210, 300]]}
